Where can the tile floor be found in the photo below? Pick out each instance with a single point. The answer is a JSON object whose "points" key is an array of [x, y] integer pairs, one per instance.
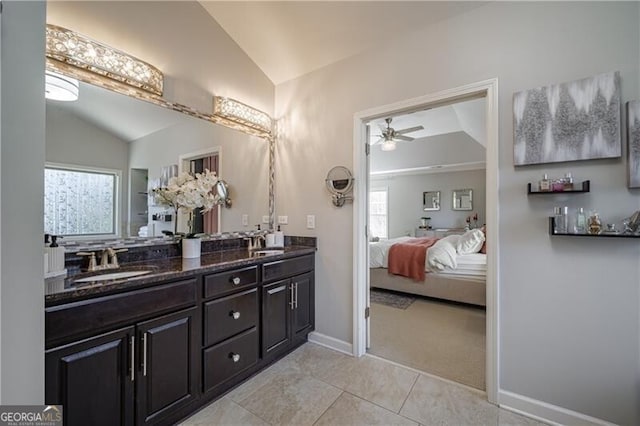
{"points": [[318, 386]]}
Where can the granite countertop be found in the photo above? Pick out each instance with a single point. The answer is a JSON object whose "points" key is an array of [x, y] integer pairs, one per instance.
{"points": [[67, 290]]}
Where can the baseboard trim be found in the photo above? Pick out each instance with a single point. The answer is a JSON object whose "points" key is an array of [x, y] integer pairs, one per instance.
{"points": [[331, 342], [544, 411]]}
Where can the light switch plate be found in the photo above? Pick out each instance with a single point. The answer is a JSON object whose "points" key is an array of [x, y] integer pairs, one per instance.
{"points": [[311, 221], [245, 220], [283, 220], [265, 219]]}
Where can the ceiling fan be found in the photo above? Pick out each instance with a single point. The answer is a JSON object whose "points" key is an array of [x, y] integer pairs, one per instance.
{"points": [[390, 136]]}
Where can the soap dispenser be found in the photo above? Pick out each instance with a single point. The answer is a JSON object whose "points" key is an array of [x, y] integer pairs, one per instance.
{"points": [[279, 236], [55, 254]]}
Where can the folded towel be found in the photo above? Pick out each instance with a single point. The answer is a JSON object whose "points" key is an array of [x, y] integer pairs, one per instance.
{"points": [[408, 258]]}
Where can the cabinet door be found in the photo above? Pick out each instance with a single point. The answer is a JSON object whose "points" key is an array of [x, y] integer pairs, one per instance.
{"points": [[304, 306], [276, 317], [166, 365], [92, 379]]}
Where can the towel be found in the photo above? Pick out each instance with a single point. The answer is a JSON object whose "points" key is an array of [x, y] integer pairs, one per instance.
{"points": [[408, 258]]}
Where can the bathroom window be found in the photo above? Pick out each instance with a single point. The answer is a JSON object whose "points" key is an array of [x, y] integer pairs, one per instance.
{"points": [[80, 201], [378, 213]]}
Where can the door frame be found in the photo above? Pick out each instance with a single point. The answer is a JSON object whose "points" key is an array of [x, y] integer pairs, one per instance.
{"points": [[489, 90]]}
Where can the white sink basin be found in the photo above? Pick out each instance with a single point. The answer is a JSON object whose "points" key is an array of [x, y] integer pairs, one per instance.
{"points": [[111, 276], [266, 252]]}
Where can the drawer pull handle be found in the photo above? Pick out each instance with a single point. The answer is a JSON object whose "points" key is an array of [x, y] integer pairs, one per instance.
{"points": [[235, 280], [234, 314], [234, 357]]}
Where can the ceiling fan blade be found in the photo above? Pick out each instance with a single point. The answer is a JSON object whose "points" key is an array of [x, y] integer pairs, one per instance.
{"points": [[378, 141], [403, 138], [409, 130]]}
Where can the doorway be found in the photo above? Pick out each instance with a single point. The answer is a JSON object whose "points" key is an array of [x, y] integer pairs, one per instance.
{"points": [[489, 90]]}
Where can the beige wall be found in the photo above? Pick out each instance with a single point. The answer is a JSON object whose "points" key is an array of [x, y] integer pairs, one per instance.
{"points": [[569, 333]]}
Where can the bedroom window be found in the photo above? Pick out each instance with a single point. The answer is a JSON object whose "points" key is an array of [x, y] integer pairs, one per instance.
{"points": [[79, 201], [378, 213]]}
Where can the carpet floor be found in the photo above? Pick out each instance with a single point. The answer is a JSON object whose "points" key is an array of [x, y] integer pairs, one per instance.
{"points": [[444, 339]]}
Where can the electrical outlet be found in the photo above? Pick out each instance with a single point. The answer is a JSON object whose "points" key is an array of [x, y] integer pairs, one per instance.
{"points": [[245, 220], [311, 221], [283, 220], [265, 219]]}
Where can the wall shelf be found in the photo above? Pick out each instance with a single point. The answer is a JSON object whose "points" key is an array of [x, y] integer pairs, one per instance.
{"points": [[601, 235], [586, 187]]}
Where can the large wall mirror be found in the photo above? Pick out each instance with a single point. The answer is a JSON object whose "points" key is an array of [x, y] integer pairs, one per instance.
{"points": [[104, 132], [462, 199]]}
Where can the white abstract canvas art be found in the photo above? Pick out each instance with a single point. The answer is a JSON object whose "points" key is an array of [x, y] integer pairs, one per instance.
{"points": [[633, 139], [578, 120]]}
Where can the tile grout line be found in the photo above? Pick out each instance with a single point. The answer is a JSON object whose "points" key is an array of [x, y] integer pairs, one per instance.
{"points": [[249, 411], [329, 407], [407, 397]]}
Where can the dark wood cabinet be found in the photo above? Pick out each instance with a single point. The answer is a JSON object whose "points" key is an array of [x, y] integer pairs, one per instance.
{"points": [[155, 354], [276, 317], [304, 307], [167, 376], [148, 368], [288, 306], [93, 379]]}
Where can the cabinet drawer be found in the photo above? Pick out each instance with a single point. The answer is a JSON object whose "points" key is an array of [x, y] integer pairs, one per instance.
{"points": [[223, 361], [230, 315], [286, 268], [225, 282], [91, 316]]}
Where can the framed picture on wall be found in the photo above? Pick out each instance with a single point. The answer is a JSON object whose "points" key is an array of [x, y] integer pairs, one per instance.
{"points": [[578, 120], [633, 141]]}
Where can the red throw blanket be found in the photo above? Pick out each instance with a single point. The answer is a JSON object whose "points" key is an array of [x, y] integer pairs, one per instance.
{"points": [[408, 258]]}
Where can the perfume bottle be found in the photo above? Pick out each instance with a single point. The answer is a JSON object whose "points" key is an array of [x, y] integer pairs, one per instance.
{"points": [[545, 184], [567, 182], [557, 185], [561, 220], [580, 226], [594, 225]]}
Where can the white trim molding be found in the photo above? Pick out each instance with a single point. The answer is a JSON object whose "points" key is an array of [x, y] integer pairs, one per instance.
{"points": [[546, 412], [489, 90], [331, 343]]}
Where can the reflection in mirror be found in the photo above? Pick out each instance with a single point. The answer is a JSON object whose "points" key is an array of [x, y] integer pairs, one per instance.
{"points": [[431, 200], [462, 199], [108, 131]]}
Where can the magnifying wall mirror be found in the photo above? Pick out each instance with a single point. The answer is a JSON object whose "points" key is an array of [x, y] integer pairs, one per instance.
{"points": [[431, 200], [462, 199]]}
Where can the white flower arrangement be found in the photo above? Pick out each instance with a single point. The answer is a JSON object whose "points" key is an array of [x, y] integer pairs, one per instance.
{"points": [[189, 192]]}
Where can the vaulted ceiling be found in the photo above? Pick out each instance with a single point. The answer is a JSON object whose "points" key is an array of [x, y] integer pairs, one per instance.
{"points": [[287, 39]]}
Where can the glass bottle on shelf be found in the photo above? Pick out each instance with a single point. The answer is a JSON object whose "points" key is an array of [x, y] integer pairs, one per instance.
{"points": [[567, 182], [545, 184], [561, 220], [557, 185], [594, 225], [580, 226]]}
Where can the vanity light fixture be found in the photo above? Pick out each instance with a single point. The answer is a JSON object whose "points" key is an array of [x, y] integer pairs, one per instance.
{"points": [[242, 113], [60, 88], [79, 51]]}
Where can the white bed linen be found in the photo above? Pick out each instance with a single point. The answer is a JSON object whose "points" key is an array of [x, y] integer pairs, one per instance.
{"points": [[472, 265], [379, 251]]}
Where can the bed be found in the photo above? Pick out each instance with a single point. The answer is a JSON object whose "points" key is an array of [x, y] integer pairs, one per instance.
{"points": [[462, 280]]}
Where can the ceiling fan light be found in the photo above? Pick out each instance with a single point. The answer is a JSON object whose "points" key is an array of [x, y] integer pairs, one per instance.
{"points": [[388, 146], [60, 88]]}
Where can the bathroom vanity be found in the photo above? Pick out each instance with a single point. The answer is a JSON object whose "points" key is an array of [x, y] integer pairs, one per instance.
{"points": [[154, 348]]}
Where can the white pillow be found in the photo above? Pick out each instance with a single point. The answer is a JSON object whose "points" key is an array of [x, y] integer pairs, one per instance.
{"points": [[470, 242], [443, 253]]}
